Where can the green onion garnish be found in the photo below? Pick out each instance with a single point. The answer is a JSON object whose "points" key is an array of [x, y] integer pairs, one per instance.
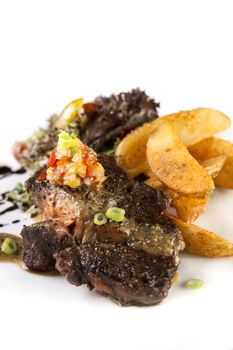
{"points": [[193, 284], [66, 140], [9, 246], [115, 214], [100, 219], [20, 188]]}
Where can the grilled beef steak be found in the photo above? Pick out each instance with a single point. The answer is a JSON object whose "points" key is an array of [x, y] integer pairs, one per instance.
{"points": [[128, 276], [133, 262], [41, 241]]}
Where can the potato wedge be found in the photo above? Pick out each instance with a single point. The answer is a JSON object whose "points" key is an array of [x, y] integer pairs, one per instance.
{"points": [[191, 126], [131, 152], [209, 148], [173, 165], [225, 177], [215, 147], [202, 242], [189, 208], [198, 124], [213, 166], [154, 182]]}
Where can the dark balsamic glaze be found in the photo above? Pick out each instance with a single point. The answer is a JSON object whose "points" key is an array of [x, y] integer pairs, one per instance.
{"points": [[13, 207], [7, 171]]}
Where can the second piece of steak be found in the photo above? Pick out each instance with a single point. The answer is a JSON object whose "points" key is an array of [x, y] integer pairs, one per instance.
{"points": [[133, 262], [128, 276]]}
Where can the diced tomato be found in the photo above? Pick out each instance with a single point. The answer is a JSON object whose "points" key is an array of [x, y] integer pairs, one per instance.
{"points": [[52, 159], [42, 176], [90, 169], [95, 181], [61, 162], [85, 155]]}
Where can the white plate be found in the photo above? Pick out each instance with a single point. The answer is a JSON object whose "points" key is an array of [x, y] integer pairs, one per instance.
{"points": [[187, 319]]}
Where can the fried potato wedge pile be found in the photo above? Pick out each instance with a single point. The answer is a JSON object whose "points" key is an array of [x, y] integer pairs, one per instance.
{"points": [[191, 127], [173, 165], [214, 147], [179, 154], [202, 242]]}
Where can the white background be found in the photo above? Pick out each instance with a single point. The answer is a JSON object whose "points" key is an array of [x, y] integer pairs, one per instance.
{"points": [[51, 52]]}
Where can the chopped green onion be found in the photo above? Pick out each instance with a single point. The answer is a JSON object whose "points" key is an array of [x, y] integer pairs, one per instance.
{"points": [[66, 140], [115, 214], [20, 188], [14, 196], [20, 196], [25, 198], [9, 246], [75, 149], [33, 211], [100, 219], [193, 284]]}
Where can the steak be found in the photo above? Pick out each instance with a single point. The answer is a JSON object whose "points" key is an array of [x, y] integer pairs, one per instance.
{"points": [[41, 241], [128, 276], [134, 261]]}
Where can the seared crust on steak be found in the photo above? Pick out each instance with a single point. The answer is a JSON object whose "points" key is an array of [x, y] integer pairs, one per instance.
{"points": [[133, 262], [41, 241], [129, 277]]}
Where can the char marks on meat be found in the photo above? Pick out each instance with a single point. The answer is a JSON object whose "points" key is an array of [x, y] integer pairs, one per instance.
{"points": [[133, 262]]}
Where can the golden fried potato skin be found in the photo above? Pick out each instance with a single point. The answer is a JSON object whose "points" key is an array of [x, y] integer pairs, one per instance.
{"points": [[189, 208], [213, 166], [173, 165], [191, 126], [131, 152], [201, 242], [215, 147], [225, 177], [198, 124], [209, 148]]}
